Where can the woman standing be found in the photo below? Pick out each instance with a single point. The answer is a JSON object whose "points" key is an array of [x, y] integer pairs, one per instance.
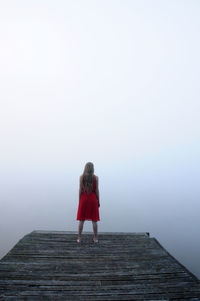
{"points": [[89, 204]]}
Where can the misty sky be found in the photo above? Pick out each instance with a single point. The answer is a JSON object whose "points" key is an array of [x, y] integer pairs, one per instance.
{"points": [[112, 82]]}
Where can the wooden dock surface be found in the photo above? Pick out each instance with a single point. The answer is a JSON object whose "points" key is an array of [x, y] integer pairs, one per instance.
{"points": [[51, 265]]}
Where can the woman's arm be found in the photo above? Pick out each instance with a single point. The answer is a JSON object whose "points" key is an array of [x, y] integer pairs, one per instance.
{"points": [[97, 190], [80, 186]]}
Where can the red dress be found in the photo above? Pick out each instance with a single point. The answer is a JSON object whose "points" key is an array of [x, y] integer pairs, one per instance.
{"points": [[88, 208]]}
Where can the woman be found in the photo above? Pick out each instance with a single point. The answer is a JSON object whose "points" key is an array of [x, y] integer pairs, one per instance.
{"points": [[89, 204]]}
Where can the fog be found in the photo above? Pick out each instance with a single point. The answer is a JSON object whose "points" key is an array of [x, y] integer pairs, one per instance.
{"points": [[112, 82]]}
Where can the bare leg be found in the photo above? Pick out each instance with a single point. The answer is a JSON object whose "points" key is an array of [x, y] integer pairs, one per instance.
{"points": [[80, 229], [95, 230]]}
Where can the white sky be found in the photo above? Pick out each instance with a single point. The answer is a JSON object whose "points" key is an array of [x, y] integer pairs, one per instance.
{"points": [[112, 82]]}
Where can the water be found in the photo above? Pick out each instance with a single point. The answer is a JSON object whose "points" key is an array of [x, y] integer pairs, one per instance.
{"points": [[162, 201]]}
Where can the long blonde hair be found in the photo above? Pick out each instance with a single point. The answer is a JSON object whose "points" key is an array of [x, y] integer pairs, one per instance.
{"points": [[88, 176]]}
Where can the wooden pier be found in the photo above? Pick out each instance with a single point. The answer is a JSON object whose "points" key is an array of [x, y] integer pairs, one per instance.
{"points": [[51, 265]]}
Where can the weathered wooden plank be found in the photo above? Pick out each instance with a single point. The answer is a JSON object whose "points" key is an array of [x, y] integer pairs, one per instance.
{"points": [[98, 287], [107, 234], [103, 277]]}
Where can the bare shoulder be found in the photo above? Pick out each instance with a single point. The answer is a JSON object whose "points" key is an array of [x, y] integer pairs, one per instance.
{"points": [[97, 178]]}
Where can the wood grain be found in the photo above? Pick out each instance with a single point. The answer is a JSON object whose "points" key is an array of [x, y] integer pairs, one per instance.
{"points": [[50, 265]]}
